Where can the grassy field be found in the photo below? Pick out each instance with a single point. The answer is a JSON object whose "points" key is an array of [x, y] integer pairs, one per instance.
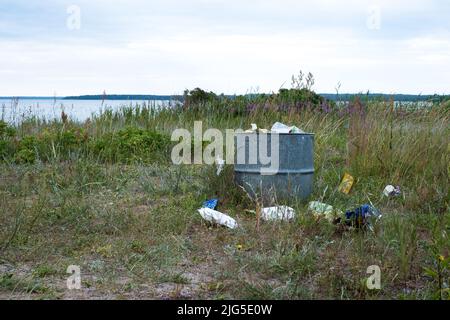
{"points": [[104, 195]]}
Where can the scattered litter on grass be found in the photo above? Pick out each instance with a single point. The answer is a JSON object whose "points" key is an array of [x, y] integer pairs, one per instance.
{"points": [[362, 216], [217, 217], [320, 209], [279, 127], [346, 184], [277, 213], [211, 204], [390, 191], [220, 163]]}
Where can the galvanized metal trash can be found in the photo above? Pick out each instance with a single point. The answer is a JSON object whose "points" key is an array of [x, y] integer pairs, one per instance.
{"points": [[295, 174]]}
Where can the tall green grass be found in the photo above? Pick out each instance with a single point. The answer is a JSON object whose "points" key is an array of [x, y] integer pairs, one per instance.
{"points": [[104, 194]]}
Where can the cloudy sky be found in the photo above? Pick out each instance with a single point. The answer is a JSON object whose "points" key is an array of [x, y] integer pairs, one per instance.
{"points": [[233, 46]]}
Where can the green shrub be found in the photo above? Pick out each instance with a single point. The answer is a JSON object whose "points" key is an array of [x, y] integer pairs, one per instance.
{"points": [[27, 150], [299, 96], [66, 138], [198, 96], [446, 105], [132, 144], [50, 143], [69, 139], [3, 148], [6, 130], [6, 134]]}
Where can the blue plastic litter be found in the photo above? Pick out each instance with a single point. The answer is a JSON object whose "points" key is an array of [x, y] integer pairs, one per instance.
{"points": [[211, 204], [360, 216]]}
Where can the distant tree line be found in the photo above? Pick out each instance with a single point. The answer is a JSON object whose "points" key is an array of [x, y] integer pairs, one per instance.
{"points": [[303, 94]]}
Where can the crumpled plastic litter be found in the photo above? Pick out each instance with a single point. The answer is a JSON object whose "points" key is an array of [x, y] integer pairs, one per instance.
{"points": [[320, 209], [217, 217], [212, 203], [361, 216], [390, 190], [277, 213], [279, 127]]}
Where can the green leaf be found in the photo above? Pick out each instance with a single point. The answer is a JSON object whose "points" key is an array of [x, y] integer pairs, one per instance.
{"points": [[430, 272]]}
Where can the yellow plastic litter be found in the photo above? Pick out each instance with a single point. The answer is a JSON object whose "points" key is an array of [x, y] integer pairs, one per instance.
{"points": [[346, 183]]}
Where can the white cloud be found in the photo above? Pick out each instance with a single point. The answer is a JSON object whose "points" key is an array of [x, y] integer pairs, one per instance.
{"points": [[225, 46]]}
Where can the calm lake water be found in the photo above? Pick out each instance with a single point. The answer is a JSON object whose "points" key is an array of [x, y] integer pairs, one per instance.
{"points": [[16, 111]]}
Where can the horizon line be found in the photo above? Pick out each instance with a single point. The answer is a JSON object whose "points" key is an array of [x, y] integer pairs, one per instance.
{"points": [[235, 94]]}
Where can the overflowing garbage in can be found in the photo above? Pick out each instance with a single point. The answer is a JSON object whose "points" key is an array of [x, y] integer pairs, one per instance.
{"points": [[275, 164]]}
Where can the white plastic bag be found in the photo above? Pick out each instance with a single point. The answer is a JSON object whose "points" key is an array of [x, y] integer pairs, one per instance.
{"points": [[390, 190], [217, 217], [279, 127], [277, 213]]}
